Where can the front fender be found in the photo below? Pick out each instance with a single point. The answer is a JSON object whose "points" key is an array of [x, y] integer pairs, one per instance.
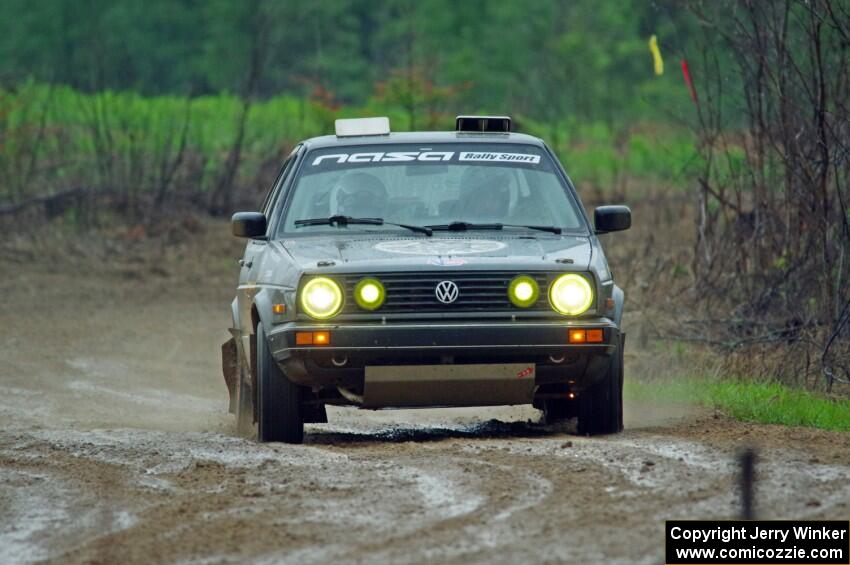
{"points": [[267, 296], [619, 300], [252, 305]]}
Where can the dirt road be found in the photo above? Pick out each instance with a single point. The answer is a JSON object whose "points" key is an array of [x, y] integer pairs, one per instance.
{"points": [[116, 447]]}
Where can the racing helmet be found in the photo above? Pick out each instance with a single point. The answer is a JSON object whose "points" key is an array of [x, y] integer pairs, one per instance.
{"points": [[359, 195], [486, 193]]}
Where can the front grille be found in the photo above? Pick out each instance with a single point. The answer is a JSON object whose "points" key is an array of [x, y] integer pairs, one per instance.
{"points": [[415, 292]]}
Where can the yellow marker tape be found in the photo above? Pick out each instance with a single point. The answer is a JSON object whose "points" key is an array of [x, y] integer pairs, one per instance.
{"points": [[656, 56]]}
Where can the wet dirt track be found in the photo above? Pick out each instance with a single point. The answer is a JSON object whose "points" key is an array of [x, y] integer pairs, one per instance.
{"points": [[116, 446]]}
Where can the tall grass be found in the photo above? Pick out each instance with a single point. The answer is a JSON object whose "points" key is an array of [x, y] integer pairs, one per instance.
{"points": [[609, 158], [143, 149], [749, 401], [124, 143]]}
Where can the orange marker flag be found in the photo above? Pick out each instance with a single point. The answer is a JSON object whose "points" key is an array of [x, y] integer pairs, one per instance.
{"points": [[656, 55]]}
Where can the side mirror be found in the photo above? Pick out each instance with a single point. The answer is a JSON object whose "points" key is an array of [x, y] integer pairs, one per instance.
{"points": [[612, 218], [248, 224]]}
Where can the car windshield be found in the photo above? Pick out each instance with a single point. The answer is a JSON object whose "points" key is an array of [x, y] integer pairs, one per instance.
{"points": [[437, 185]]}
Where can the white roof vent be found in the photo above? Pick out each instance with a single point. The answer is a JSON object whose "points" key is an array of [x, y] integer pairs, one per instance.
{"points": [[362, 126]]}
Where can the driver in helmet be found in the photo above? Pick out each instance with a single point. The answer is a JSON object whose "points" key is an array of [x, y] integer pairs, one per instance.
{"points": [[485, 195], [360, 195]]}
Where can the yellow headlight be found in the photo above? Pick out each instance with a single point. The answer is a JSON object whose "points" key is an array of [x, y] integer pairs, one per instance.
{"points": [[321, 298], [523, 291], [571, 294], [369, 294]]}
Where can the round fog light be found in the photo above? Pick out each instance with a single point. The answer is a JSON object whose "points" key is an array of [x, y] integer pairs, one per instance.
{"points": [[523, 291], [369, 294]]}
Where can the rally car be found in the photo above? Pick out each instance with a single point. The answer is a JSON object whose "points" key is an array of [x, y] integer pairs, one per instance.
{"points": [[395, 270]]}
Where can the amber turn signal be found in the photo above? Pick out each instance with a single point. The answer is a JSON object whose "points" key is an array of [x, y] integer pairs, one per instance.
{"points": [[312, 338], [578, 336], [586, 336], [279, 308], [304, 338]]}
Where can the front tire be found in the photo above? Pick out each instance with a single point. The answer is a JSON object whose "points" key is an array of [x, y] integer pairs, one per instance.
{"points": [[279, 414], [558, 410], [600, 409]]}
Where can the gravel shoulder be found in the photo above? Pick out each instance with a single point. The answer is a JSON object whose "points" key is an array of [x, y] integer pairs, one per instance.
{"points": [[116, 445]]}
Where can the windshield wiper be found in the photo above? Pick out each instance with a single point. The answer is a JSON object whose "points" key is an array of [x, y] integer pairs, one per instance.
{"points": [[463, 226], [550, 229], [339, 220]]}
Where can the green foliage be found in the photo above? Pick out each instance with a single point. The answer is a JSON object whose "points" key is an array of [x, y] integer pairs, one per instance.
{"points": [[55, 137], [749, 401], [598, 154], [150, 96], [774, 403], [548, 59], [124, 142]]}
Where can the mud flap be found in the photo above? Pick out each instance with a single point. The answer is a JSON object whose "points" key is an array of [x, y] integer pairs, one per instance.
{"points": [[230, 368], [448, 385]]}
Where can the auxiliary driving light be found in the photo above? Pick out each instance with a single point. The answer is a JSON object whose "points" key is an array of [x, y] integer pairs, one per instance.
{"points": [[523, 291], [321, 298], [571, 294], [369, 294]]}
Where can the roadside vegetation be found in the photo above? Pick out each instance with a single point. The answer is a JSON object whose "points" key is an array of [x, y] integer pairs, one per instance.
{"points": [[765, 402], [69, 148]]}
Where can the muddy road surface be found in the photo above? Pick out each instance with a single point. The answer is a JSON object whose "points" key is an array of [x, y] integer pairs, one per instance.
{"points": [[115, 446]]}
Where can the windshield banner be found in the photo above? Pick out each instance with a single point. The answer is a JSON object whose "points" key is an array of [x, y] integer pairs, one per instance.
{"points": [[425, 157]]}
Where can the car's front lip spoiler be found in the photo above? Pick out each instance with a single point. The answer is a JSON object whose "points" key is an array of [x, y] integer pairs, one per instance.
{"points": [[534, 337]]}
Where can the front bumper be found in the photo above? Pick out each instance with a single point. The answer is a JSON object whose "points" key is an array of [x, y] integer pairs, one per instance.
{"points": [[544, 343]]}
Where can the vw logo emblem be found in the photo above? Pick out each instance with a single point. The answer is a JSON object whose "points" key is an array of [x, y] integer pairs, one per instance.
{"points": [[446, 292]]}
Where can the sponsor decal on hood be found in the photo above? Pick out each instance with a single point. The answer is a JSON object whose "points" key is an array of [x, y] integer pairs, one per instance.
{"points": [[440, 246]]}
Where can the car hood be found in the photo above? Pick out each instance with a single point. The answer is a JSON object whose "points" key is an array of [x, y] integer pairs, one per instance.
{"points": [[472, 251]]}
